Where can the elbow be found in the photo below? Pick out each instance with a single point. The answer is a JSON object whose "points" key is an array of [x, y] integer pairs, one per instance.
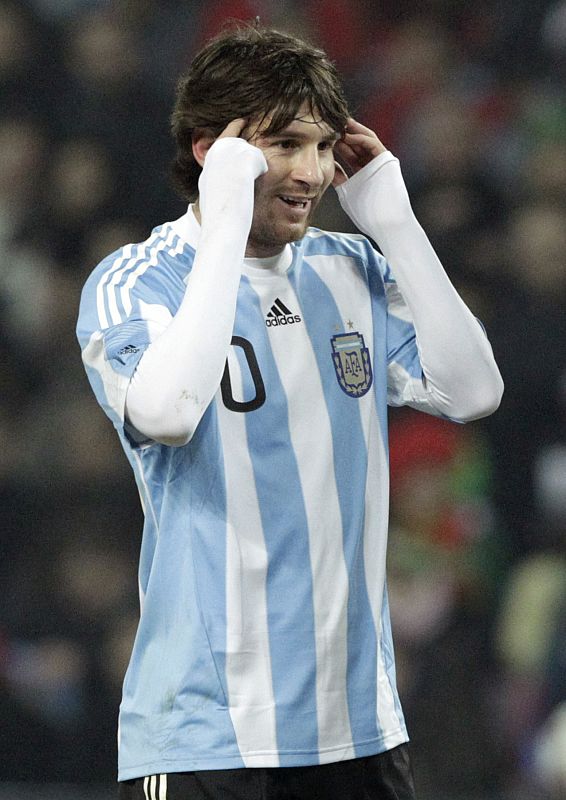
{"points": [[480, 402], [497, 395], [174, 438], [171, 426], [163, 432]]}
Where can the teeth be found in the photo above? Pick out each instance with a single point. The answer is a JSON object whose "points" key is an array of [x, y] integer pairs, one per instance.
{"points": [[294, 201]]}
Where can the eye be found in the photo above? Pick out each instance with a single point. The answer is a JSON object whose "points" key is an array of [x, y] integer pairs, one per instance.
{"points": [[287, 144], [327, 145]]}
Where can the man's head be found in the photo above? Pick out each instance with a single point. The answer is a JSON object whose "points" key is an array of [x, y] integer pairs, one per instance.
{"points": [[258, 74]]}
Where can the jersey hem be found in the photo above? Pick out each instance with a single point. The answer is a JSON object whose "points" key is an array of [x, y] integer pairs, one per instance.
{"points": [[293, 758]]}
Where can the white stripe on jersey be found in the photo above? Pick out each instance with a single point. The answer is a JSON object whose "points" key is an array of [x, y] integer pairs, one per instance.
{"points": [[135, 274], [111, 282], [248, 656], [105, 290], [311, 437], [341, 274], [347, 297], [163, 787], [125, 257], [145, 788]]}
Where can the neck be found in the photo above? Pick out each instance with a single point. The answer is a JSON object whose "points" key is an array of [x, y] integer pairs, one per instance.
{"points": [[253, 249]]}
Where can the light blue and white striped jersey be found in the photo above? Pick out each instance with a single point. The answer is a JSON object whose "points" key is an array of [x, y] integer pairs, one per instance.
{"points": [[264, 637]]}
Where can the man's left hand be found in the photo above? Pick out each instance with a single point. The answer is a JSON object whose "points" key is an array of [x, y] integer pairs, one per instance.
{"points": [[357, 147]]}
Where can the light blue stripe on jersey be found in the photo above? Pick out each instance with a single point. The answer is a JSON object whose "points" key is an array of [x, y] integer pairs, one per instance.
{"points": [[400, 345], [380, 331], [320, 313], [284, 521]]}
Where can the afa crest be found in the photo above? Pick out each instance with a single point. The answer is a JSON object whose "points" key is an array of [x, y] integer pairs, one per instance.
{"points": [[352, 363]]}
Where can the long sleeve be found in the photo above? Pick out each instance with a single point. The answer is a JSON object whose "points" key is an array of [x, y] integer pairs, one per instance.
{"points": [[460, 376], [181, 370]]}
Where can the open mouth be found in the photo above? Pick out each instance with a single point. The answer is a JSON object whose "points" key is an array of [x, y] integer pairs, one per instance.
{"points": [[295, 202]]}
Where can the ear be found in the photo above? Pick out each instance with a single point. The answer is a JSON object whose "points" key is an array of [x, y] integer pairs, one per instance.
{"points": [[202, 140]]}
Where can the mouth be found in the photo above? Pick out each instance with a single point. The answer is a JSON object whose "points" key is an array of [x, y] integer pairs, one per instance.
{"points": [[297, 203]]}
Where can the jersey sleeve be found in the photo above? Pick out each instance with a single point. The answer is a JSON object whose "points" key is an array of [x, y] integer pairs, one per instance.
{"points": [[123, 309]]}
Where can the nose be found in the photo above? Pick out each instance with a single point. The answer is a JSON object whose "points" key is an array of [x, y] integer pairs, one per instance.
{"points": [[308, 168]]}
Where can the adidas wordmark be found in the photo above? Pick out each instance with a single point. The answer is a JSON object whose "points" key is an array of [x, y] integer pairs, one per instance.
{"points": [[280, 315]]}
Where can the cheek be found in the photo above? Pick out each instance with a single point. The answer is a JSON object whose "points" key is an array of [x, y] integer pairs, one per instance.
{"points": [[262, 185], [270, 179]]}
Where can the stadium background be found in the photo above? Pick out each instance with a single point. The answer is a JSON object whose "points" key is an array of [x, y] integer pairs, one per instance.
{"points": [[471, 96]]}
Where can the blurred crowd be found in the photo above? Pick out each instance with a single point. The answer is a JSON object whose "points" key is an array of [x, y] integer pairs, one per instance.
{"points": [[472, 98]]}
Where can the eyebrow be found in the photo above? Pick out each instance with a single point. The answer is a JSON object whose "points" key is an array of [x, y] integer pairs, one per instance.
{"points": [[287, 133]]}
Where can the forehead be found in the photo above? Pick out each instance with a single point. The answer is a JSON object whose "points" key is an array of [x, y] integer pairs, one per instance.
{"points": [[306, 122]]}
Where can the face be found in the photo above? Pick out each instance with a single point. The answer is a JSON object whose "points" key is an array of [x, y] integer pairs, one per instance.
{"points": [[301, 167]]}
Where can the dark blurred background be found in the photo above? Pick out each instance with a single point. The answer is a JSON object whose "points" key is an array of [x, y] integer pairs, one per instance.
{"points": [[471, 96]]}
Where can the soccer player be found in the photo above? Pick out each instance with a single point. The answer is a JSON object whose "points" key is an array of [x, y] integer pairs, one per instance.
{"points": [[246, 360]]}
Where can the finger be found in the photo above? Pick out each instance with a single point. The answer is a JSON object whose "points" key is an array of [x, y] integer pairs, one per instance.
{"points": [[347, 154], [354, 126], [362, 143], [344, 149], [234, 128], [362, 139]]}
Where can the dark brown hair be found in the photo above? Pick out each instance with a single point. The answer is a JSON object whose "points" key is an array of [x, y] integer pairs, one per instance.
{"points": [[249, 71]]}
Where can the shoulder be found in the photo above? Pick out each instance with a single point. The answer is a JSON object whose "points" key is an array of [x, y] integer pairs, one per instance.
{"points": [[350, 245], [162, 249], [154, 270]]}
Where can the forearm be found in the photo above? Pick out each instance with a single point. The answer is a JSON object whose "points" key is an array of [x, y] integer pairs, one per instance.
{"points": [[181, 370], [460, 373]]}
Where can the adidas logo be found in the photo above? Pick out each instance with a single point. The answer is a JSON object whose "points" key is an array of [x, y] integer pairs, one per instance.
{"points": [[129, 348], [280, 315]]}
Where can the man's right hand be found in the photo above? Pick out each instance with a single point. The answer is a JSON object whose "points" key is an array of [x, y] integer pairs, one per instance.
{"points": [[234, 128], [226, 184]]}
